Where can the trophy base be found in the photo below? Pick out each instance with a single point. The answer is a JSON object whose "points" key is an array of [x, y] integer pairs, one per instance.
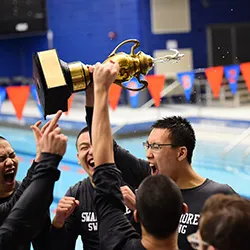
{"points": [[51, 82], [56, 80]]}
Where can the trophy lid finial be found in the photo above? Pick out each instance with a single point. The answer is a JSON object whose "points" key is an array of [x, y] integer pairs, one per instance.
{"points": [[176, 57]]}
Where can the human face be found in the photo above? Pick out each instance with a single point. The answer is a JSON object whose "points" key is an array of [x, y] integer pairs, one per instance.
{"points": [[8, 168], [85, 153], [164, 160], [197, 243]]}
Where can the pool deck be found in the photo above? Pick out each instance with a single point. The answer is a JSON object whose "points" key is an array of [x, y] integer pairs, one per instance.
{"points": [[128, 120]]}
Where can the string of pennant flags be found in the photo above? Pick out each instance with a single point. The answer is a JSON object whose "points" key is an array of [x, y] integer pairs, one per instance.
{"points": [[215, 76], [18, 95]]}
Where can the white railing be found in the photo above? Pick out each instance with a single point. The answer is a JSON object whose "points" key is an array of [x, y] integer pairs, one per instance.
{"points": [[237, 142]]}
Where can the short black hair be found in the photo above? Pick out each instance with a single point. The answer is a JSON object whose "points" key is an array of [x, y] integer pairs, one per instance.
{"points": [[85, 129], [2, 138], [181, 132], [159, 204]]}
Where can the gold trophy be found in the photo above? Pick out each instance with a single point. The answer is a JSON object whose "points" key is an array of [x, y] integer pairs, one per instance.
{"points": [[56, 80]]}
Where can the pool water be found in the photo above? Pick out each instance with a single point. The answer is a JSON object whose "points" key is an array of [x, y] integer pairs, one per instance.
{"points": [[207, 161]]}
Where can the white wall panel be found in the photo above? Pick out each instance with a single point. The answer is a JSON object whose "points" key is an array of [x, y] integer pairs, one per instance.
{"points": [[170, 16]]}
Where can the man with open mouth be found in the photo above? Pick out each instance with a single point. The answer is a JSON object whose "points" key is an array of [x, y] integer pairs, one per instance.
{"points": [[8, 170], [27, 213], [75, 214], [169, 151], [9, 186]]}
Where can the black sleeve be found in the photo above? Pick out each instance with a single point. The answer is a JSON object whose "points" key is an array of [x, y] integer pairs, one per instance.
{"points": [[65, 237], [115, 230], [28, 213], [42, 239], [134, 170], [6, 207]]}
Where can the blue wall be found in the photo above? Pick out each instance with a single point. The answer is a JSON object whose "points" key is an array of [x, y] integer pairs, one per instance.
{"points": [[219, 11], [81, 30]]}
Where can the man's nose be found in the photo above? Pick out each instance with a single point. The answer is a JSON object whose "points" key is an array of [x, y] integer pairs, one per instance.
{"points": [[8, 162], [91, 150], [149, 153]]}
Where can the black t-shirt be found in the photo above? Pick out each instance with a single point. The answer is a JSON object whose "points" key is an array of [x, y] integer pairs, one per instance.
{"points": [[83, 221], [115, 230], [134, 170], [5, 199], [195, 199], [27, 215], [42, 238]]}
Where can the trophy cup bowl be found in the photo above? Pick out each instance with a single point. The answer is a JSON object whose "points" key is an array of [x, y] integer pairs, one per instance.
{"points": [[56, 80]]}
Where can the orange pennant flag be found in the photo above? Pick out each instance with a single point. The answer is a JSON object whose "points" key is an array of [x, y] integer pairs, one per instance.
{"points": [[245, 70], [214, 76], [18, 96], [155, 86], [114, 95], [70, 100]]}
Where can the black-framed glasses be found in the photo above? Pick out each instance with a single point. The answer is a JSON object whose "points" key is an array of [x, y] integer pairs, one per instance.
{"points": [[156, 146]]}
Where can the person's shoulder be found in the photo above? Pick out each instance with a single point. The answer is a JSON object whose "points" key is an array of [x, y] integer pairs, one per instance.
{"points": [[216, 187], [17, 184], [74, 190], [134, 244]]}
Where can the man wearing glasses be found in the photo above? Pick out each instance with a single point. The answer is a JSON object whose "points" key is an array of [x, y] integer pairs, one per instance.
{"points": [[224, 224], [159, 224], [169, 150]]}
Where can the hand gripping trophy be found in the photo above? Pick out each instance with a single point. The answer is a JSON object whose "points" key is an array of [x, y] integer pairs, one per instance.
{"points": [[56, 80]]}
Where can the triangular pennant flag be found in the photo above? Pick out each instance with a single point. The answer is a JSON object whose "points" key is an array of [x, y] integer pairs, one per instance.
{"points": [[114, 95], [2, 96], [70, 100], [35, 96], [245, 70], [186, 79], [18, 96], [232, 73], [155, 86], [214, 76]]}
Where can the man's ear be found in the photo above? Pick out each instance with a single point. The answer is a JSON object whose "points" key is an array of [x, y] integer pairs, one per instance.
{"points": [[185, 208], [77, 155], [136, 216], [182, 154]]}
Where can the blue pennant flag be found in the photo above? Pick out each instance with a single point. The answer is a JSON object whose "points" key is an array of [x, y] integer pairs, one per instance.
{"points": [[2, 96], [35, 96], [133, 95], [232, 73], [186, 79]]}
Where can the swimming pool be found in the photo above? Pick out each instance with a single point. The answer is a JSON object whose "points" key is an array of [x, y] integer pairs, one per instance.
{"points": [[207, 159]]}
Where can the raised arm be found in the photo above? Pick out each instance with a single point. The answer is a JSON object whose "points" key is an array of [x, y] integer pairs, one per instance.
{"points": [[102, 140], [114, 228], [6, 207], [133, 169], [27, 215]]}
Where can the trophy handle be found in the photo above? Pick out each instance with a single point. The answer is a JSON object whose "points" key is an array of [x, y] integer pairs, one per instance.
{"points": [[135, 46], [143, 82]]}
